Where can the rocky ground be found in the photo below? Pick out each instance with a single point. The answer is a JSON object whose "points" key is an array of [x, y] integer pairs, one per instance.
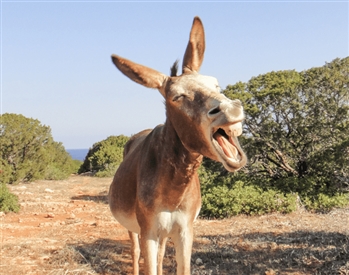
{"points": [[65, 227]]}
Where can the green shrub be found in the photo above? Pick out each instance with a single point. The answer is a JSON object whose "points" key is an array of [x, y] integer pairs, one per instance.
{"points": [[61, 165], [228, 194], [108, 172], [28, 151], [5, 172], [8, 201], [296, 134], [324, 203], [105, 156], [222, 202], [75, 166]]}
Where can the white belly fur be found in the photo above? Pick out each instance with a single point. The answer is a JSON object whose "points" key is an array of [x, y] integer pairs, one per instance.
{"points": [[165, 223]]}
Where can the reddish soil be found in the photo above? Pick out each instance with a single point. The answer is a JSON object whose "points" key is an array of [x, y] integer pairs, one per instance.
{"points": [[65, 227]]}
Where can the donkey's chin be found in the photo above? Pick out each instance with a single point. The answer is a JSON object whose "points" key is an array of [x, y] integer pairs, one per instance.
{"points": [[227, 146]]}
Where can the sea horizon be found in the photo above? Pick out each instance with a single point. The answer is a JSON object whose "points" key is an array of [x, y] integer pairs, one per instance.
{"points": [[78, 154]]}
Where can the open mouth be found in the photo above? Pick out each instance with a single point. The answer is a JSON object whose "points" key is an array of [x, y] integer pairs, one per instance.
{"points": [[227, 145]]}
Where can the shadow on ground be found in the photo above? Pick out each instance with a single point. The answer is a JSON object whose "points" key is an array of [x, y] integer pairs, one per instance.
{"points": [[298, 252], [100, 198], [266, 253]]}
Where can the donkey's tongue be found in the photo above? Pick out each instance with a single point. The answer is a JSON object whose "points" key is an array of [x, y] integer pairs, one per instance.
{"points": [[225, 138], [227, 145]]}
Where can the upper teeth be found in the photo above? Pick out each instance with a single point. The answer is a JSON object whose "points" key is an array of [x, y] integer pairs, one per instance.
{"points": [[233, 130]]}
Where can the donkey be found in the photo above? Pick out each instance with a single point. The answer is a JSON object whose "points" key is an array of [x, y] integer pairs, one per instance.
{"points": [[155, 192]]}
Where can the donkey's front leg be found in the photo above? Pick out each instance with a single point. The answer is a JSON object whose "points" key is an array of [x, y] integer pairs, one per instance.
{"points": [[135, 251], [183, 244], [149, 249], [161, 253]]}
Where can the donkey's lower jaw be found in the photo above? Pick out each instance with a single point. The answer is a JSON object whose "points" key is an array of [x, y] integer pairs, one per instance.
{"points": [[227, 150]]}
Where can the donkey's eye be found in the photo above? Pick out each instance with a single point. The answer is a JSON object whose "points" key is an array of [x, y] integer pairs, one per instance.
{"points": [[218, 89], [178, 97]]}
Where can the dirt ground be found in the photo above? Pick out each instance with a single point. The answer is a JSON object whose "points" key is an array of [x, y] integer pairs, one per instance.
{"points": [[65, 227]]}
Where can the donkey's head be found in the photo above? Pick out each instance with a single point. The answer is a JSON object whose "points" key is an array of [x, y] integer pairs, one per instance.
{"points": [[205, 120]]}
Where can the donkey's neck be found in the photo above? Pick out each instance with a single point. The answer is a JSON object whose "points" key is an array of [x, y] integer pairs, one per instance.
{"points": [[182, 164]]}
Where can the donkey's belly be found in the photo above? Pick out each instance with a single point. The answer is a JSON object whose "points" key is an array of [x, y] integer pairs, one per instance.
{"points": [[129, 221]]}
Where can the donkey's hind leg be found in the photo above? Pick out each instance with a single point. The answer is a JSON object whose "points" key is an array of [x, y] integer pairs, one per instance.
{"points": [[135, 251]]}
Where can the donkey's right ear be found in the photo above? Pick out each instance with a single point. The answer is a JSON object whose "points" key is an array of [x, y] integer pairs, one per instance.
{"points": [[140, 74]]}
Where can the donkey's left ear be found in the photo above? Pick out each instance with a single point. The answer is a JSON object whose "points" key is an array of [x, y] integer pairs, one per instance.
{"points": [[194, 54], [140, 74]]}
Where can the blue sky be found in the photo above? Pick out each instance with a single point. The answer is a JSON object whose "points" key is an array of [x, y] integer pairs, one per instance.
{"points": [[56, 66]]}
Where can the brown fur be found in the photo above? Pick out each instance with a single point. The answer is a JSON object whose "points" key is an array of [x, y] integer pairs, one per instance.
{"points": [[156, 190]]}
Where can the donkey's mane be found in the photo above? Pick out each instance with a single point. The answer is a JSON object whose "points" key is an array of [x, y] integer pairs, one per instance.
{"points": [[174, 68]]}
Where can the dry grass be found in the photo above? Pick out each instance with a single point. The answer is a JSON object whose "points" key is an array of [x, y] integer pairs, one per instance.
{"points": [[65, 227]]}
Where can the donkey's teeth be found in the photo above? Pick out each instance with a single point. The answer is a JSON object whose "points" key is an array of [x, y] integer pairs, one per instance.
{"points": [[234, 130]]}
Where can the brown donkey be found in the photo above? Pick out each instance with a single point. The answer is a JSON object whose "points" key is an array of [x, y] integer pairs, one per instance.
{"points": [[155, 192]]}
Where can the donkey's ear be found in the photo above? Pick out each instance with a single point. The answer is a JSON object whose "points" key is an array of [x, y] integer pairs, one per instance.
{"points": [[139, 73], [194, 54]]}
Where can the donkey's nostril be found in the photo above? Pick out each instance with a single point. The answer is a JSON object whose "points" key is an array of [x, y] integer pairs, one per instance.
{"points": [[214, 111]]}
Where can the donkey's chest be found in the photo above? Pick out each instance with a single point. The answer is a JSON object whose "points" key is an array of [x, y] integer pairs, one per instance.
{"points": [[171, 222], [169, 190], [171, 211]]}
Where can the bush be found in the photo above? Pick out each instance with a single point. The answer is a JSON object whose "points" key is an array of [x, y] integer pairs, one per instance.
{"points": [[222, 202], [105, 156], [76, 164], [324, 203], [8, 201], [28, 151], [296, 133], [227, 194]]}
